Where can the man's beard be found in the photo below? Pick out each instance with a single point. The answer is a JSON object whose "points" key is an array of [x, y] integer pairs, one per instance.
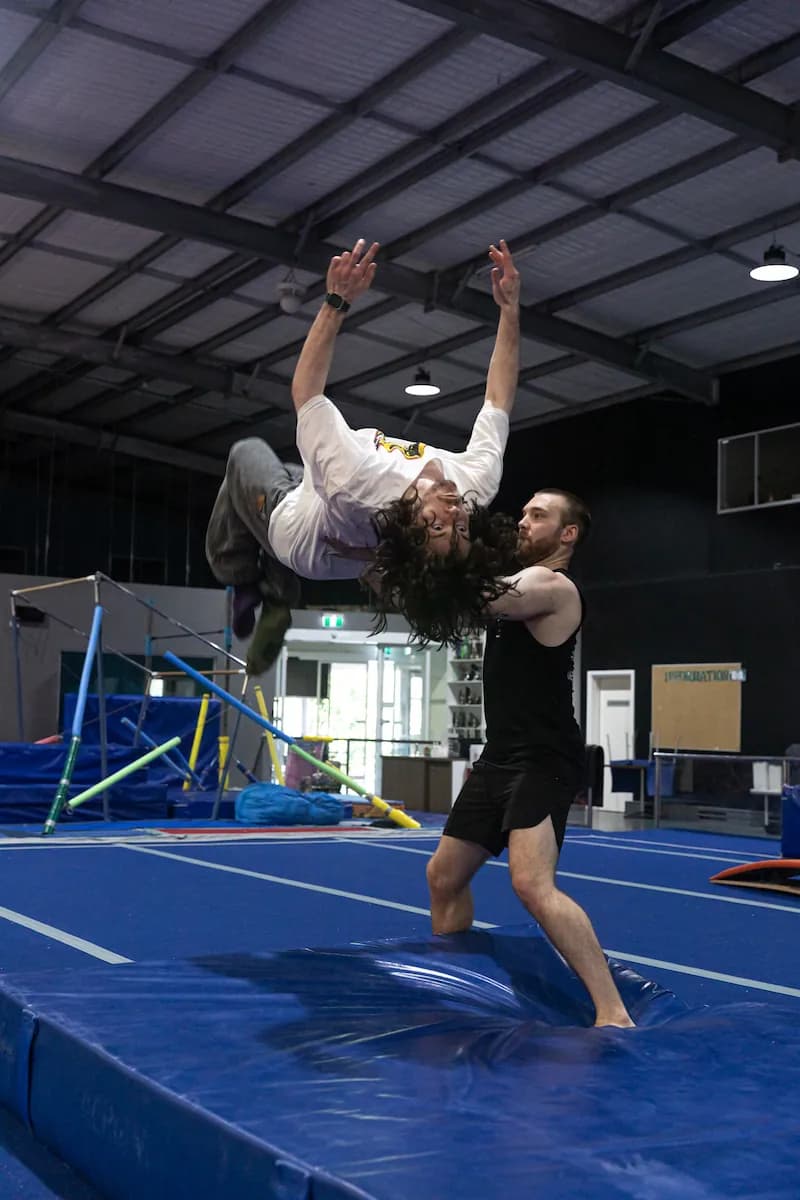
{"points": [[529, 553]]}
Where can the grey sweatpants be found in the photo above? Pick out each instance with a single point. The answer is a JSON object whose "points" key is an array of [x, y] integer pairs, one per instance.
{"points": [[237, 538]]}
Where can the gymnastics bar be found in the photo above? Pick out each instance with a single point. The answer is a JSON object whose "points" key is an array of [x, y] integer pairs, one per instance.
{"points": [[43, 587], [170, 620], [396, 815], [194, 753], [123, 772], [77, 725], [178, 763], [268, 738]]}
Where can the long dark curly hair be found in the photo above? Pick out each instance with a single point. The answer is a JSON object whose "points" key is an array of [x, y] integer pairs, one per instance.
{"points": [[442, 597]]}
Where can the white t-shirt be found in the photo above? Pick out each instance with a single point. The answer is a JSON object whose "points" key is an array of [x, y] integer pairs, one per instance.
{"points": [[351, 473]]}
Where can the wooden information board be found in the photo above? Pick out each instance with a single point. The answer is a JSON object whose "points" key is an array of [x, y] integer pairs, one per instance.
{"points": [[697, 706]]}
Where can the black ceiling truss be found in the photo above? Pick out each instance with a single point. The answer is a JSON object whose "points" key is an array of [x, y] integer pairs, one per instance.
{"points": [[759, 121]]}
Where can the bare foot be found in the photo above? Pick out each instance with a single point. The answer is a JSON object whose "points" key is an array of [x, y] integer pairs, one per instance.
{"points": [[619, 1021]]}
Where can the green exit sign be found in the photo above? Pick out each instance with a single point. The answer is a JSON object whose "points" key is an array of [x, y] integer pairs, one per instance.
{"points": [[332, 620]]}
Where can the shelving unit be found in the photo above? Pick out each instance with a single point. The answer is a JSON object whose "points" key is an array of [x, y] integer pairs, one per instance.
{"points": [[465, 696]]}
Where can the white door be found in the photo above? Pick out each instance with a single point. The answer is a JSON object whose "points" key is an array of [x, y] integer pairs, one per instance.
{"points": [[610, 724]]}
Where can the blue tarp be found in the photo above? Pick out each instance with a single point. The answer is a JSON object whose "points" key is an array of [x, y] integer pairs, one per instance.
{"points": [[401, 1070], [271, 804]]}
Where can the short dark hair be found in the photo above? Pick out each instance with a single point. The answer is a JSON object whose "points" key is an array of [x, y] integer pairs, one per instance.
{"points": [[443, 597], [575, 511]]}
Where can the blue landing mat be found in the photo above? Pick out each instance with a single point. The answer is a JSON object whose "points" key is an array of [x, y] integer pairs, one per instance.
{"points": [[453, 1067]]}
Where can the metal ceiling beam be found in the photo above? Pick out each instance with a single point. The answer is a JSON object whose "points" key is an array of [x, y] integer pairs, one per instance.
{"points": [[720, 312], [242, 269], [25, 335], [449, 130], [759, 227], [185, 91], [51, 24], [161, 213], [522, 85], [98, 439], [359, 317], [604, 54], [670, 28]]}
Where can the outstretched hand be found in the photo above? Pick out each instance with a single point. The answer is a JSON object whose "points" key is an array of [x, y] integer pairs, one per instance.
{"points": [[352, 272], [505, 277]]}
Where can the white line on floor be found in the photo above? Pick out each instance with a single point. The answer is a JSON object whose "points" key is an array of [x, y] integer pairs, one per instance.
{"points": [[646, 887], [681, 968], [292, 883], [609, 836], [598, 844], [60, 935]]}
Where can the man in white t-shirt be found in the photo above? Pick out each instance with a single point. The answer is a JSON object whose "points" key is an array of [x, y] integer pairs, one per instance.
{"points": [[359, 497]]}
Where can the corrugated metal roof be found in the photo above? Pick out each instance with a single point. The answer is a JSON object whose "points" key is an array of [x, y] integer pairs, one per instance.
{"points": [[73, 103], [341, 49], [194, 26], [305, 84], [727, 195], [741, 31]]}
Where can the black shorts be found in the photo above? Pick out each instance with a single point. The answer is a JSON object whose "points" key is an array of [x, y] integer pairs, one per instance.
{"points": [[496, 799]]}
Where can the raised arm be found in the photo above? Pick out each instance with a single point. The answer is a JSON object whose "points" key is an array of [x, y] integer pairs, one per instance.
{"points": [[349, 275], [501, 381]]}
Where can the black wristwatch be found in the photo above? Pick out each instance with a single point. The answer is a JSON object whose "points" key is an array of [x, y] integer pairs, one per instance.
{"points": [[338, 302]]}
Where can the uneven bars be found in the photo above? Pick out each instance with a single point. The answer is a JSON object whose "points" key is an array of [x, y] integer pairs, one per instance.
{"points": [[82, 633], [396, 815], [123, 772], [41, 587], [180, 674], [172, 620]]}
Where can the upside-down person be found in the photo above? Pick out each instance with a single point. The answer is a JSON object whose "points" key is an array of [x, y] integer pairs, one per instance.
{"points": [[362, 501]]}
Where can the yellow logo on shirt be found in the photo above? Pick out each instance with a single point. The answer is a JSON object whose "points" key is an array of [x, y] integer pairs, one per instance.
{"points": [[407, 449]]}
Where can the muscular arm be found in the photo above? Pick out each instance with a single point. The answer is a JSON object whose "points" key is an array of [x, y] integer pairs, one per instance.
{"points": [[536, 592], [349, 275]]}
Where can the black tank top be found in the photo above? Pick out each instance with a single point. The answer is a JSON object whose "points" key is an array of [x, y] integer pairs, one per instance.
{"points": [[527, 694]]}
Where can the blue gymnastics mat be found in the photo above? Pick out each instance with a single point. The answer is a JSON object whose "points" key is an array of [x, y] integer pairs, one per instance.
{"points": [[398, 1070]]}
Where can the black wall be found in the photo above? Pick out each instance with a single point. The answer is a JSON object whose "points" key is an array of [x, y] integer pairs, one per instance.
{"points": [[666, 578]]}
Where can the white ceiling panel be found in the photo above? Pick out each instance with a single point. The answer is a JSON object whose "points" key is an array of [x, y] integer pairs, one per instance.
{"points": [[727, 196], [648, 155], [205, 324], [476, 70], [404, 211], [692, 287], [341, 49], [337, 160], [573, 123], [231, 127], [734, 337], [74, 102], [515, 219], [196, 27], [739, 32], [125, 301], [36, 282], [16, 213], [95, 235], [588, 381], [608, 244], [15, 29]]}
